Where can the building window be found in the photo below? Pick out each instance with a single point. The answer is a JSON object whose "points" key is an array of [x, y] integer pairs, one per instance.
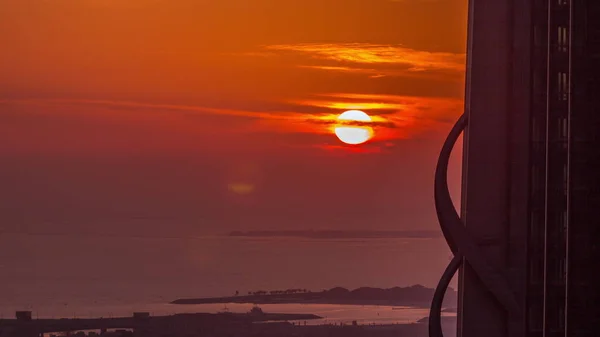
{"points": [[565, 181], [561, 317], [537, 179], [535, 317], [536, 134], [534, 179], [563, 128], [534, 218], [563, 39], [564, 219], [534, 274], [562, 270], [537, 39], [563, 86]]}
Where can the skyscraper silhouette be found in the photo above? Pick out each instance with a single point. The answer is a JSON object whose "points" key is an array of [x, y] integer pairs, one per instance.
{"points": [[528, 235]]}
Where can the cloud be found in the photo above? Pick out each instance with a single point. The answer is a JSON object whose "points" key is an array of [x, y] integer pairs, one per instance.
{"points": [[291, 115], [343, 234], [376, 60], [394, 117], [353, 105], [386, 106], [147, 107]]}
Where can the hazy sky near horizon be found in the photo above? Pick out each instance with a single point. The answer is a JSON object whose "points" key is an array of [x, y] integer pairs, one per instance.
{"points": [[190, 117]]}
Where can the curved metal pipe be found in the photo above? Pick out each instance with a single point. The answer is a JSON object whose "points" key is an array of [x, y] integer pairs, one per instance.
{"points": [[435, 312], [443, 202], [444, 210], [460, 242]]}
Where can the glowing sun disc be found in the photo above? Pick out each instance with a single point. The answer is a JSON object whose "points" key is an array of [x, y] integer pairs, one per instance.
{"points": [[353, 134]]}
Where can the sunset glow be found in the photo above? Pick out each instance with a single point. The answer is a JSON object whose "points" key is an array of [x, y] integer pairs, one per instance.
{"points": [[139, 138], [209, 116]]}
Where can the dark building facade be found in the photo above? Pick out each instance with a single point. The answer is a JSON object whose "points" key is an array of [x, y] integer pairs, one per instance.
{"points": [[531, 170]]}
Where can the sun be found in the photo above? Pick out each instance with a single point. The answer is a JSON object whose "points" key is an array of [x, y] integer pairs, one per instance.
{"points": [[351, 129]]}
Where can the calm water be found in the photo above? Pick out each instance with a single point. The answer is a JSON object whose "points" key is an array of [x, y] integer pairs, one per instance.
{"points": [[102, 276], [331, 313]]}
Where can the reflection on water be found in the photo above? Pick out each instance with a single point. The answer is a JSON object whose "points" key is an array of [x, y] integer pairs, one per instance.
{"points": [[331, 313]]}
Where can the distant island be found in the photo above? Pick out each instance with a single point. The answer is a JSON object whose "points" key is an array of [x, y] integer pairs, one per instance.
{"points": [[413, 296], [342, 234]]}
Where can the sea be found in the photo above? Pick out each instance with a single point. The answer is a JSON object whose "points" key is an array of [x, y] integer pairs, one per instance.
{"points": [[82, 276]]}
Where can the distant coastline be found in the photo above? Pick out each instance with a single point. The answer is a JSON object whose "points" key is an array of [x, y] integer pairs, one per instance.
{"points": [[341, 234], [413, 296]]}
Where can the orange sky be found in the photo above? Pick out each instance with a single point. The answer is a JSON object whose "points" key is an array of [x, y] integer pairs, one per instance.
{"points": [[217, 115]]}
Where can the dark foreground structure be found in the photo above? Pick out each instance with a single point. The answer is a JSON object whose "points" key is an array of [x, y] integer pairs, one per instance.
{"points": [[207, 325], [528, 234], [144, 325]]}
